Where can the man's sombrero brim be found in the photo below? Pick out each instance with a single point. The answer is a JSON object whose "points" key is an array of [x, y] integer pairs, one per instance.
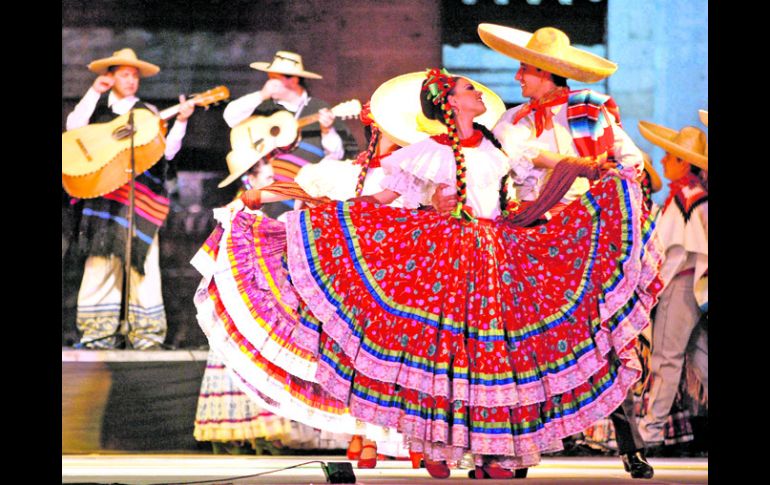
{"points": [[704, 116], [265, 67], [396, 108], [575, 64], [146, 69], [244, 159], [664, 138]]}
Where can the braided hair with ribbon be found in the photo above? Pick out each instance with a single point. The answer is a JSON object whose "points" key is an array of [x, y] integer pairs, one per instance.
{"points": [[437, 87], [365, 157]]}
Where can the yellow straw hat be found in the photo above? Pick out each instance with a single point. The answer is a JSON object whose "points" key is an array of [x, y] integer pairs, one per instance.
{"points": [[689, 143], [704, 116], [549, 49], [124, 57], [287, 63], [396, 107]]}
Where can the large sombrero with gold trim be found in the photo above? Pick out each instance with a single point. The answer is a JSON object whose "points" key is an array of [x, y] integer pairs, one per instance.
{"points": [[124, 57], [549, 49], [286, 63], [396, 107], [689, 143]]}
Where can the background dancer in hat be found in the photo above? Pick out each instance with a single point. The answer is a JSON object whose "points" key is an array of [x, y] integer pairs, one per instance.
{"points": [[286, 89], [447, 329], [225, 415], [100, 226], [679, 330]]}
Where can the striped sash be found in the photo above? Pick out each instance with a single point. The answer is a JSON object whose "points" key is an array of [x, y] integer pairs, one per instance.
{"points": [[588, 115]]}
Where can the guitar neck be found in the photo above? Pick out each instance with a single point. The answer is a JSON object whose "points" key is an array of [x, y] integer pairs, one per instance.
{"points": [[169, 113], [306, 120], [342, 111], [202, 99]]}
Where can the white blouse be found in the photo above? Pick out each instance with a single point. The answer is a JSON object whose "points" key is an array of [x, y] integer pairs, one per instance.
{"points": [[337, 180], [416, 170]]}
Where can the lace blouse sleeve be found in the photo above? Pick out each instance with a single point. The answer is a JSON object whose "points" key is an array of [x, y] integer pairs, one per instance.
{"points": [[415, 170]]}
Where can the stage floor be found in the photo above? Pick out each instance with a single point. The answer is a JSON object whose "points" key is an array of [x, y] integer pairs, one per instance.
{"points": [[148, 469]]}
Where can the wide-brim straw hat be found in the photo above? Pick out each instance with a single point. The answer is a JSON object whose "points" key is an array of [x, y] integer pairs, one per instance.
{"points": [[396, 107], [704, 116], [549, 49], [124, 57], [689, 143], [238, 163], [286, 63], [655, 181]]}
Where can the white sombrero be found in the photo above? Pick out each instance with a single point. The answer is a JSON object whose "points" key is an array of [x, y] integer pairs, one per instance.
{"points": [[396, 107], [549, 49], [238, 163], [124, 57], [287, 63]]}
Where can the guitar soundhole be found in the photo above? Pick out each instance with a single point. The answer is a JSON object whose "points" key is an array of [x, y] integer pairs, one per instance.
{"points": [[122, 132], [274, 130]]}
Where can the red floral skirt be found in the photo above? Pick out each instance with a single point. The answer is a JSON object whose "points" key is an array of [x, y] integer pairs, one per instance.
{"points": [[462, 336]]}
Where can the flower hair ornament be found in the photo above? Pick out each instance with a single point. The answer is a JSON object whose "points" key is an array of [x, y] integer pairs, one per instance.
{"points": [[439, 83]]}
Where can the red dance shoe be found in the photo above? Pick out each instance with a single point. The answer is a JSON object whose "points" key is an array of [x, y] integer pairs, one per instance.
{"points": [[368, 462], [354, 447], [488, 471], [437, 469], [416, 459]]}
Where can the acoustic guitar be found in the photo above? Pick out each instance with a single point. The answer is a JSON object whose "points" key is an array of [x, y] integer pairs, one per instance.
{"points": [[257, 136], [96, 159]]}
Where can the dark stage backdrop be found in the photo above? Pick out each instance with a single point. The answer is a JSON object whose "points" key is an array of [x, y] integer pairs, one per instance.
{"points": [[355, 44]]}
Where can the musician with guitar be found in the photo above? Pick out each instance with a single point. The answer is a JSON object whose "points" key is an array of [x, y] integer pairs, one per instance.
{"points": [[101, 227], [286, 90]]}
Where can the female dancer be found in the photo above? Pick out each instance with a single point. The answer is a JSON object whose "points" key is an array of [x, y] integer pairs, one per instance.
{"points": [[462, 333]]}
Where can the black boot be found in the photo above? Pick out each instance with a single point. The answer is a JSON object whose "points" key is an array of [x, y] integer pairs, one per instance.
{"points": [[636, 464]]}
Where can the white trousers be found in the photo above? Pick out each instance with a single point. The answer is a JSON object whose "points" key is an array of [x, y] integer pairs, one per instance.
{"points": [[675, 333], [99, 298]]}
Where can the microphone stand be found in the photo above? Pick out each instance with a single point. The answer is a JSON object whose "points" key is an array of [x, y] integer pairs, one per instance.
{"points": [[125, 324], [124, 328]]}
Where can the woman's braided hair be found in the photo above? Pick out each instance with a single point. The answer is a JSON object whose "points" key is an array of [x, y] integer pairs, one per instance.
{"points": [[436, 88], [365, 157]]}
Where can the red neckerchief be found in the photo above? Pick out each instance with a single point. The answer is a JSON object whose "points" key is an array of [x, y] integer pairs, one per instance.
{"points": [[472, 141], [541, 108], [675, 189]]}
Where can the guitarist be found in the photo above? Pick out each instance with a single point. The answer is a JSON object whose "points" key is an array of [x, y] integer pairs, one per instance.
{"points": [[101, 228], [286, 89]]}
